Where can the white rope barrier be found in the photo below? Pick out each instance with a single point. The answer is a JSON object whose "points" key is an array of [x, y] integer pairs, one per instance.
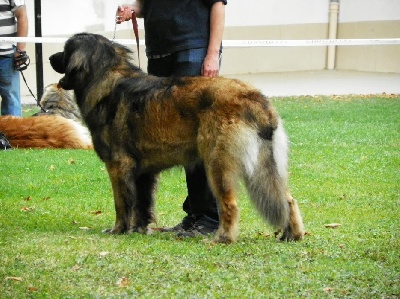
{"points": [[309, 42], [236, 43]]}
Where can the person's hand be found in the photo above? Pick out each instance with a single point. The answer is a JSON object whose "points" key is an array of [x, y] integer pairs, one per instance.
{"points": [[211, 65], [21, 60], [124, 13]]}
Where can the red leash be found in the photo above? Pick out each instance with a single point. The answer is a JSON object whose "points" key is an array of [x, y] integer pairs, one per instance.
{"points": [[136, 31], [119, 20]]}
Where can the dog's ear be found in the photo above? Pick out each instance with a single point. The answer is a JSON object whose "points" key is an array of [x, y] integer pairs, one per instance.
{"points": [[76, 64], [76, 69], [84, 54], [57, 62]]}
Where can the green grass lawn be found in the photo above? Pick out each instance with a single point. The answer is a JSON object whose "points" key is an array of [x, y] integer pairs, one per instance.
{"points": [[345, 169]]}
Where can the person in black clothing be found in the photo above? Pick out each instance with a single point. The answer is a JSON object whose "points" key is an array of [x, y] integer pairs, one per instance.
{"points": [[184, 38]]}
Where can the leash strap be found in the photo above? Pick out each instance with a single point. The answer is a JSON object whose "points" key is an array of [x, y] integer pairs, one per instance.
{"points": [[21, 63], [136, 31], [37, 101]]}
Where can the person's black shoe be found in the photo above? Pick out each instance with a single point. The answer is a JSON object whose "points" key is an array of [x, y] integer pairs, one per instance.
{"points": [[4, 144], [203, 227], [186, 224]]}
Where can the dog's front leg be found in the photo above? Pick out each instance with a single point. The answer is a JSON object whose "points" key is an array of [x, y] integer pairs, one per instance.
{"points": [[124, 190], [144, 206]]}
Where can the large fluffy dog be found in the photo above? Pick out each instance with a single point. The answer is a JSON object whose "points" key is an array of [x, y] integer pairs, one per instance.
{"points": [[59, 127], [142, 124]]}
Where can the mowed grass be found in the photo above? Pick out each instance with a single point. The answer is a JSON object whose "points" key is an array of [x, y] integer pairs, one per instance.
{"points": [[345, 170]]}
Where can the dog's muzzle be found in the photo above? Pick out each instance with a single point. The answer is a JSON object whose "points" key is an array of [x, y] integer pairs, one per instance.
{"points": [[57, 62]]}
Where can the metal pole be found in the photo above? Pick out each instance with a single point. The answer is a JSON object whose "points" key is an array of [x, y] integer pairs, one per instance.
{"points": [[38, 49], [332, 33]]}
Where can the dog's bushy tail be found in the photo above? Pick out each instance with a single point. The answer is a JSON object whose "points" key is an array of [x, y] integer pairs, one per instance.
{"points": [[265, 174]]}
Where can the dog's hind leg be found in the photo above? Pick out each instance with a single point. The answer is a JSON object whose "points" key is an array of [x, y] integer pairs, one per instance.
{"points": [[124, 190], [223, 180], [294, 230], [144, 208]]}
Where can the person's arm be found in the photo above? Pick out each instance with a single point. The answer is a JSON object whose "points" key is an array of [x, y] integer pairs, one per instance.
{"points": [[217, 23], [22, 25], [124, 12]]}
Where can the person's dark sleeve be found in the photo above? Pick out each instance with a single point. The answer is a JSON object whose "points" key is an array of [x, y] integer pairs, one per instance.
{"points": [[211, 2]]}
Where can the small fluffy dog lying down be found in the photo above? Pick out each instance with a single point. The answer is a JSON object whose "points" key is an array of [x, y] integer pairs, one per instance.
{"points": [[59, 127], [58, 101]]}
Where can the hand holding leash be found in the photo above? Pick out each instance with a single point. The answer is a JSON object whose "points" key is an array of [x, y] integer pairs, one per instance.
{"points": [[21, 60], [124, 13]]}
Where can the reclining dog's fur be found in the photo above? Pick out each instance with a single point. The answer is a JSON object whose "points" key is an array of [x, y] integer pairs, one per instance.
{"points": [[142, 124], [59, 127], [58, 101]]}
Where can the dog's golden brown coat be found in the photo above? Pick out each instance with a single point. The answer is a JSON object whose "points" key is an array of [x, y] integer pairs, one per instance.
{"points": [[142, 124]]}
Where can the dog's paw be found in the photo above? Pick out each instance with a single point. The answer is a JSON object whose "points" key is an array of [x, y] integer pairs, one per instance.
{"points": [[107, 231], [288, 235], [141, 230], [114, 231], [223, 238]]}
